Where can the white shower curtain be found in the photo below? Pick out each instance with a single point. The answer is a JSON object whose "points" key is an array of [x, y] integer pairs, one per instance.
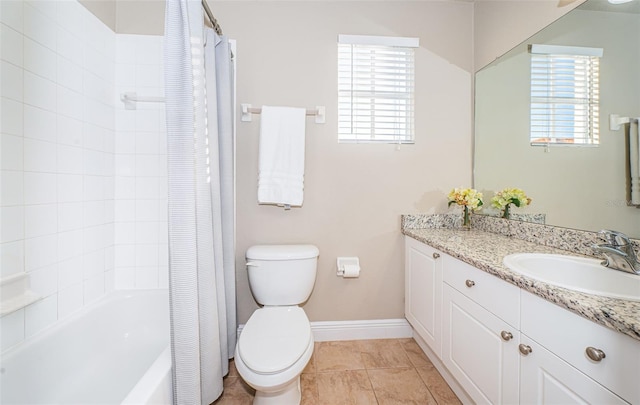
{"points": [[199, 103]]}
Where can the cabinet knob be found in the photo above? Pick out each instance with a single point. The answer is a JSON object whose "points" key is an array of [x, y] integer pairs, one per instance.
{"points": [[436, 255], [470, 283], [524, 349], [506, 336], [595, 354]]}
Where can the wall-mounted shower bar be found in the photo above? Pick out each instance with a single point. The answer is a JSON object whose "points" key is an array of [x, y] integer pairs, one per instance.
{"points": [[212, 19], [131, 98]]}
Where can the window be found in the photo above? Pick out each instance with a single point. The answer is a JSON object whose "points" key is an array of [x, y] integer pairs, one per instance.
{"points": [[564, 95], [375, 89]]}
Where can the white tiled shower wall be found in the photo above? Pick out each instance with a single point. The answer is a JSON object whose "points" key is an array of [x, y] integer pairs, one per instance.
{"points": [[83, 181]]}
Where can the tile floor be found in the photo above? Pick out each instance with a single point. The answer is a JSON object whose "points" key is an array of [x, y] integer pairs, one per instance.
{"points": [[360, 372]]}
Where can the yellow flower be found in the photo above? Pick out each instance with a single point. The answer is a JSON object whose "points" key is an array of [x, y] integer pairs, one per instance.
{"points": [[508, 196], [468, 197]]}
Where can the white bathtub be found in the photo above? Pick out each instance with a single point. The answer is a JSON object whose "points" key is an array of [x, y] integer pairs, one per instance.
{"points": [[115, 351]]}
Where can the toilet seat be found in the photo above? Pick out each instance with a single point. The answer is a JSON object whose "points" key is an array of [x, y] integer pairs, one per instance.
{"points": [[274, 339]]}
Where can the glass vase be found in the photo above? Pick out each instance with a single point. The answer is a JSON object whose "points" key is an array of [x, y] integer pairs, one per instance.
{"points": [[466, 219], [506, 213]]}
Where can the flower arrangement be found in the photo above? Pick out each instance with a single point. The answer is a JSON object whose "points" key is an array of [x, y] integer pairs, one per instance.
{"points": [[470, 200], [504, 198]]}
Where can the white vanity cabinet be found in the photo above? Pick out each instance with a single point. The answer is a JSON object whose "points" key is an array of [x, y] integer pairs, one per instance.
{"points": [[423, 291], [575, 358], [479, 346], [504, 345]]}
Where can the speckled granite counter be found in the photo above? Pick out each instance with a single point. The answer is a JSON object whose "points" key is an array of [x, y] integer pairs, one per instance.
{"points": [[485, 250]]}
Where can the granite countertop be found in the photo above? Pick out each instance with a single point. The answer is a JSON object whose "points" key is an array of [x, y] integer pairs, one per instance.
{"points": [[485, 250]]}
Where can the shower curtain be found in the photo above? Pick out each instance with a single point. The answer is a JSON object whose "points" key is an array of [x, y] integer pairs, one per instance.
{"points": [[199, 105]]}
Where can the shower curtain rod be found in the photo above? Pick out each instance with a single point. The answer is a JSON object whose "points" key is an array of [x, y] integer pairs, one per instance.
{"points": [[212, 19]]}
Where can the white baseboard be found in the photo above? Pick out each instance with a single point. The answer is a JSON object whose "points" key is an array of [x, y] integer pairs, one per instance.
{"points": [[358, 330]]}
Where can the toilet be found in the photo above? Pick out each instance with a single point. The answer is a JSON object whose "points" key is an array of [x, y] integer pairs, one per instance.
{"points": [[276, 343]]}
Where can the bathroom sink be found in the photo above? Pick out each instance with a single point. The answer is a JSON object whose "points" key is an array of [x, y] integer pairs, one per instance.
{"points": [[576, 273]]}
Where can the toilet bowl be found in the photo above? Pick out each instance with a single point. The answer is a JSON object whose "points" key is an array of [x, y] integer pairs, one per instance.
{"points": [[276, 343], [274, 347]]}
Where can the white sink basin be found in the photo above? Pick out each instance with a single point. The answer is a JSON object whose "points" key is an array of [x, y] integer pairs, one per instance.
{"points": [[576, 273]]}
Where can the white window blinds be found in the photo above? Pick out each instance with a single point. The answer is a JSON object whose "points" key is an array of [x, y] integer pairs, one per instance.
{"points": [[564, 95], [376, 89]]}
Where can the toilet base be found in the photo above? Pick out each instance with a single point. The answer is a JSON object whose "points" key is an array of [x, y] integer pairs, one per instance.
{"points": [[289, 395]]}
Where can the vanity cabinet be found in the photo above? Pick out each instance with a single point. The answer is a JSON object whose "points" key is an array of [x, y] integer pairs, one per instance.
{"points": [[547, 379], [504, 345], [423, 291], [480, 350], [480, 332], [609, 359]]}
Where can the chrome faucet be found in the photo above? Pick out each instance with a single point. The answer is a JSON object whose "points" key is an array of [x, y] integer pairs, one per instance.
{"points": [[618, 252]]}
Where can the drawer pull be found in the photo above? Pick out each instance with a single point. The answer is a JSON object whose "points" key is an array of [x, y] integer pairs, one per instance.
{"points": [[470, 283], [436, 255], [524, 349], [506, 336], [595, 354]]}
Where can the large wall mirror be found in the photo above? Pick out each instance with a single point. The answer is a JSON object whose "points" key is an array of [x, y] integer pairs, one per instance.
{"points": [[582, 187]]}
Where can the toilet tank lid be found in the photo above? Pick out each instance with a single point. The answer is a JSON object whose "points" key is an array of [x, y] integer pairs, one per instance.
{"points": [[282, 252]]}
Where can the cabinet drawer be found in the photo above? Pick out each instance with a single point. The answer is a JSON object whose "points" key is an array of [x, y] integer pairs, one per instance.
{"points": [[568, 336], [494, 294]]}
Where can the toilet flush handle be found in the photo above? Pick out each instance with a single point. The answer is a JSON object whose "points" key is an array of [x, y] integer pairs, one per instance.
{"points": [[252, 264]]}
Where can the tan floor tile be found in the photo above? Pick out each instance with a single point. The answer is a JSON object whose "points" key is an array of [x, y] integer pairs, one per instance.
{"points": [[437, 385], [309, 388], [349, 387], [311, 365], [383, 353], [415, 354], [236, 392], [394, 386], [233, 371], [340, 355]]}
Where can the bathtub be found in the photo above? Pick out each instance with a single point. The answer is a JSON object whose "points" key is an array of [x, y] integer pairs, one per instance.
{"points": [[115, 351]]}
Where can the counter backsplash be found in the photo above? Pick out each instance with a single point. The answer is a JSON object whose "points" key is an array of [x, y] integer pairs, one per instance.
{"points": [[573, 240]]}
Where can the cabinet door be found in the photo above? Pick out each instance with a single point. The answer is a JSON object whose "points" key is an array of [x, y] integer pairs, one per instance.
{"points": [[475, 352], [547, 379], [423, 291]]}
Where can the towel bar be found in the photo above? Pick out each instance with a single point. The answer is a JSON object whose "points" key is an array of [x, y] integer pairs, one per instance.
{"points": [[247, 111]]}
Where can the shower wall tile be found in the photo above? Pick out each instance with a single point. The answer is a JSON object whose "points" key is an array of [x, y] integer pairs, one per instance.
{"points": [[11, 14], [12, 77], [11, 49], [12, 219], [11, 258], [40, 124], [140, 165], [11, 188], [11, 151], [70, 299], [84, 193]]}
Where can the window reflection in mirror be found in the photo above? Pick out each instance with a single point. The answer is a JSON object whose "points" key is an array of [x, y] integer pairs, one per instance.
{"points": [[575, 187]]}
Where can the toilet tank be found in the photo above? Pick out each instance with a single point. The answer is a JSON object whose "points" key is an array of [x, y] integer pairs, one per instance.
{"points": [[282, 274]]}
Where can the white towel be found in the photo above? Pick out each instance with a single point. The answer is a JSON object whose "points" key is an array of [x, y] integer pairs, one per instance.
{"points": [[281, 156]]}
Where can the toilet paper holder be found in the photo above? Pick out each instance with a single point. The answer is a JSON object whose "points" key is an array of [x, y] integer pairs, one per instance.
{"points": [[349, 261]]}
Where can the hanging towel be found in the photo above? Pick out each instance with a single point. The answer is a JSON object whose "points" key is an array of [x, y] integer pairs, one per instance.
{"points": [[281, 156]]}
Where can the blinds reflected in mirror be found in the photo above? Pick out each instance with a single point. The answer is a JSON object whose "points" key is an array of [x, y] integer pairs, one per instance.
{"points": [[564, 95]]}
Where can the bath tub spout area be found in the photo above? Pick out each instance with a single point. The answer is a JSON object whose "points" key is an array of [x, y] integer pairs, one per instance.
{"points": [[113, 351]]}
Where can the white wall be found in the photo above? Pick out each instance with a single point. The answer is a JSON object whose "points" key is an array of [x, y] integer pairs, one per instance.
{"points": [[499, 25], [354, 194], [60, 184]]}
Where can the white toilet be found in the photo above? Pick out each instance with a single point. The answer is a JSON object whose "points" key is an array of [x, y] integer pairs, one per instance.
{"points": [[276, 343]]}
